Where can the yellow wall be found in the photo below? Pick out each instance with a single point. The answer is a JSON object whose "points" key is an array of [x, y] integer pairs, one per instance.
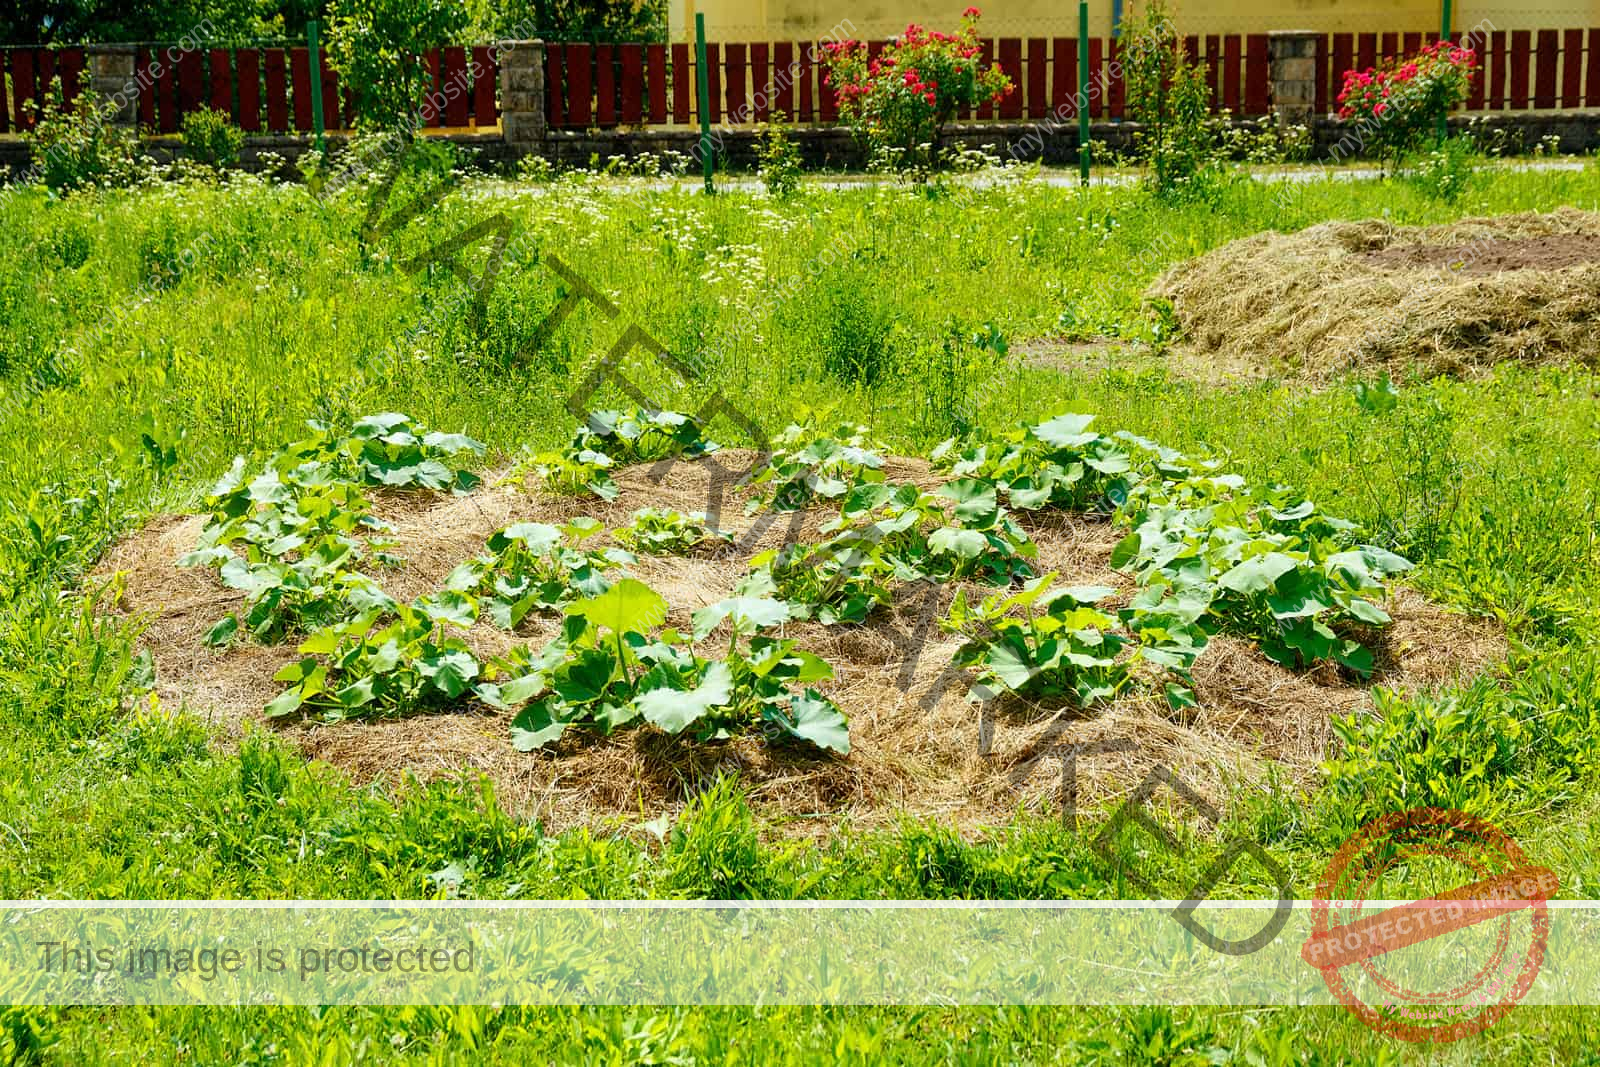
{"points": [[777, 20]]}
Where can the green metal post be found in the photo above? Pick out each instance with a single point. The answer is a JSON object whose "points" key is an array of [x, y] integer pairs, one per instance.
{"points": [[1083, 90], [702, 82], [316, 83], [1444, 35]]}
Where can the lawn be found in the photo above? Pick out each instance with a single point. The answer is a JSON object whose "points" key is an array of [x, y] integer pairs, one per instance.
{"points": [[149, 336]]}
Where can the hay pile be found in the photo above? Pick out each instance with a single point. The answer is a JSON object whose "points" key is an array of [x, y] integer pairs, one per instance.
{"points": [[1348, 296], [909, 754]]}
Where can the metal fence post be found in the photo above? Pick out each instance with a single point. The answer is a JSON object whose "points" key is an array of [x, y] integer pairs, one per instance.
{"points": [[1083, 91], [703, 87], [315, 60]]}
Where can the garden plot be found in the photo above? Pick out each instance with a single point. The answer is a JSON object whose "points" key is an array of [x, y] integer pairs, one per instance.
{"points": [[1352, 296], [1215, 715]]}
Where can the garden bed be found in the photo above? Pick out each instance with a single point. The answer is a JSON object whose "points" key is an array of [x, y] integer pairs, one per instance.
{"points": [[908, 754], [1345, 297]]}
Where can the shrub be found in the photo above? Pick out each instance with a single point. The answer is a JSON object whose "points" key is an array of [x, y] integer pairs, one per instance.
{"points": [[374, 45], [1397, 102], [208, 137], [779, 158], [899, 101], [71, 149], [1169, 98]]}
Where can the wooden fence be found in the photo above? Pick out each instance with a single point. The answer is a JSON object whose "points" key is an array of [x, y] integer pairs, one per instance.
{"points": [[268, 90], [263, 90]]}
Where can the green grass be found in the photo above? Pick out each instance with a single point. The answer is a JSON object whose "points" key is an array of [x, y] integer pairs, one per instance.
{"points": [[123, 398]]}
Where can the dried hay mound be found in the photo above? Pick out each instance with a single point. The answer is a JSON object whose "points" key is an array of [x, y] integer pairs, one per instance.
{"points": [[1452, 299], [916, 744]]}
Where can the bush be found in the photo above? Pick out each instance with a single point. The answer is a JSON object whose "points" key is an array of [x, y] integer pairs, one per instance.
{"points": [[208, 137], [779, 158], [71, 149], [1169, 98], [899, 101], [375, 47], [1397, 102]]}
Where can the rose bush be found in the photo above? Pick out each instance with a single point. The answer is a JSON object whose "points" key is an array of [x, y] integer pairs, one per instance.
{"points": [[899, 100], [1398, 101]]}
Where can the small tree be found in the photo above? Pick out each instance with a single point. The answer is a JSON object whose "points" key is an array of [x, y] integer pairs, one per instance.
{"points": [[1397, 102], [900, 101], [377, 47], [1169, 98]]}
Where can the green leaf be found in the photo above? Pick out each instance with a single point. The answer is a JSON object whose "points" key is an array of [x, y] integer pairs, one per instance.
{"points": [[1180, 696], [814, 718], [967, 544], [749, 614], [675, 710], [1126, 552], [537, 537], [516, 692], [536, 726], [1065, 431], [223, 632], [449, 607], [975, 499], [1256, 574], [285, 703], [627, 605], [1367, 611], [450, 672]]}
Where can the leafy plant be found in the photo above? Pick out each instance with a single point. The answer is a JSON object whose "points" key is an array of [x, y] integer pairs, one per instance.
{"points": [[1062, 645], [901, 98], [913, 533], [1261, 565], [1396, 103], [639, 435], [210, 138], [80, 147], [413, 662], [1059, 463], [528, 567], [661, 532], [804, 467], [376, 46], [778, 158], [1168, 96], [569, 472], [611, 668]]}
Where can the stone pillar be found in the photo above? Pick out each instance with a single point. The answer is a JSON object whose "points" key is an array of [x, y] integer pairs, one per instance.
{"points": [[522, 120], [1294, 75], [110, 69]]}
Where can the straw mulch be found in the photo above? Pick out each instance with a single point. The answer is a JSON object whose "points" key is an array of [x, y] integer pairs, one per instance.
{"points": [[1361, 296], [911, 752]]}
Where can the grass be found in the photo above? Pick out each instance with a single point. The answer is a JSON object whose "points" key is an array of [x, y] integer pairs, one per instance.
{"points": [[148, 336]]}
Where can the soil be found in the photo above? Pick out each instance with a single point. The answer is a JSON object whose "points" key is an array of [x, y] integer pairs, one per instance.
{"points": [[916, 745], [1554, 252]]}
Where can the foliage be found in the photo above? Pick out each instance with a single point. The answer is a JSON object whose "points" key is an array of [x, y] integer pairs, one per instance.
{"points": [[805, 466], [611, 668], [665, 532], [209, 137], [412, 663], [569, 472], [1059, 463], [778, 158], [605, 21], [902, 98], [299, 516], [638, 435], [528, 567], [79, 148], [1398, 102], [1169, 97], [1266, 565], [376, 47], [1448, 170]]}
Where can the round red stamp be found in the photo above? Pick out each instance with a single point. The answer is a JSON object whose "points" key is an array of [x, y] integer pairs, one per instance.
{"points": [[1446, 965]]}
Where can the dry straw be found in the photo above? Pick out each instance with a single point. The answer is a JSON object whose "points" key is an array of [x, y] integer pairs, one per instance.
{"points": [[1352, 296]]}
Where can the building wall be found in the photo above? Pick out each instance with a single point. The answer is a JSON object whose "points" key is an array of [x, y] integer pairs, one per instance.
{"points": [[776, 20]]}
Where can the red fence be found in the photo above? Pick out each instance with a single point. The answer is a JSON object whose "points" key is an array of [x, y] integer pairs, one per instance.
{"points": [[268, 90], [620, 85], [1521, 69], [263, 90], [29, 72]]}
